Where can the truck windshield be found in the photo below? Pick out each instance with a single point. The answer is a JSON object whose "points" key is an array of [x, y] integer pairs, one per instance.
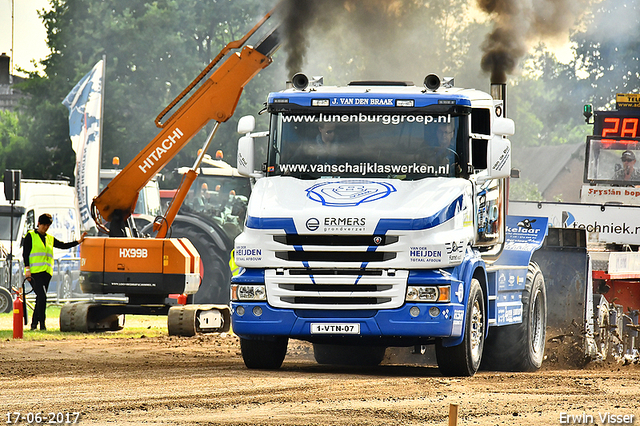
{"points": [[405, 146], [613, 161]]}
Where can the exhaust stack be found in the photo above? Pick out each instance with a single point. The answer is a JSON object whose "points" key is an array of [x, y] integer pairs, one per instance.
{"points": [[499, 93]]}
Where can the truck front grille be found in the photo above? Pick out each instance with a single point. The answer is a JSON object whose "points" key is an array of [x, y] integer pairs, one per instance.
{"points": [[335, 288], [335, 256], [335, 240], [336, 301], [336, 248]]}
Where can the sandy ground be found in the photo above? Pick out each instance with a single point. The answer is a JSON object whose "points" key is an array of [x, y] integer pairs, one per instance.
{"points": [[202, 380]]}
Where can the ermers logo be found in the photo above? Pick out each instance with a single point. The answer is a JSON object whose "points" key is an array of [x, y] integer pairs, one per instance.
{"points": [[344, 221], [157, 154], [133, 253], [312, 224], [349, 193], [344, 224]]}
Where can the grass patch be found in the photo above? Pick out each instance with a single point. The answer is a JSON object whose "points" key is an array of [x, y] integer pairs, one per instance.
{"points": [[135, 326]]}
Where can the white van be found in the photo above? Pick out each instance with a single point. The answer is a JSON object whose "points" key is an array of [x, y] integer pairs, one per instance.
{"points": [[38, 197]]}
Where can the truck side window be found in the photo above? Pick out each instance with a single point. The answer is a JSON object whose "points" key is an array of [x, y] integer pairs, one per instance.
{"points": [[481, 121]]}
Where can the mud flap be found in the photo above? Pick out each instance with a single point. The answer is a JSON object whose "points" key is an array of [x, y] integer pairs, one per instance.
{"points": [[565, 264]]}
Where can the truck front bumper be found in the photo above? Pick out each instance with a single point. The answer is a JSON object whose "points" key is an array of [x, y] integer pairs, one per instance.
{"points": [[412, 321]]}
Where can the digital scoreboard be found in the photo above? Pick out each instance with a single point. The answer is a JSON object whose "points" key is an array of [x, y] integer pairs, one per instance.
{"points": [[622, 123]]}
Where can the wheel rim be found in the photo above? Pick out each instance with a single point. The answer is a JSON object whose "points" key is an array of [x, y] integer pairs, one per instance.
{"points": [[66, 287], [477, 330], [4, 303], [537, 325]]}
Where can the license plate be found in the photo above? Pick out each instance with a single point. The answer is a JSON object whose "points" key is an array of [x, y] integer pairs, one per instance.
{"points": [[333, 328]]}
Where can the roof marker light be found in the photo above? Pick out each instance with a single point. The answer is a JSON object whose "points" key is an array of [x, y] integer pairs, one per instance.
{"points": [[405, 102], [320, 102]]}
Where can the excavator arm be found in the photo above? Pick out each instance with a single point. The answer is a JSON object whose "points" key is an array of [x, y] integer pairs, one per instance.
{"points": [[216, 99]]}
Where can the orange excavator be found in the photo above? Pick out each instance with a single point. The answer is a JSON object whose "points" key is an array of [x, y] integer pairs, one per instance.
{"points": [[143, 272]]}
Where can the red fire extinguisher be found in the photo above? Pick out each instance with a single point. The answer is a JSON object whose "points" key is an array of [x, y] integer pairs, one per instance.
{"points": [[17, 316]]}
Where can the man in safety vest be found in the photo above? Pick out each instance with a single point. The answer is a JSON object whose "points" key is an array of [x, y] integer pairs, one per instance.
{"points": [[235, 269], [37, 254]]}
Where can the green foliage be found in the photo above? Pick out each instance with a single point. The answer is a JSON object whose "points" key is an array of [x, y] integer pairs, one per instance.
{"points": [[546, 108], [608, 50], [524, 190], [13, 144]]}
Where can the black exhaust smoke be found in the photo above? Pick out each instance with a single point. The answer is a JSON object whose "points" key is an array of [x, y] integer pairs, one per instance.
{"points": [[378, 18], [518, 23]]}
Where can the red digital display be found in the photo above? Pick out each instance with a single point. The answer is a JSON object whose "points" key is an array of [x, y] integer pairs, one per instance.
{"points": [[621, 127]]}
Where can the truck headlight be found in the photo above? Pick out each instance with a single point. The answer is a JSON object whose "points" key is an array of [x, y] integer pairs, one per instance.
{"points": [[245, 292], [428, 294]]}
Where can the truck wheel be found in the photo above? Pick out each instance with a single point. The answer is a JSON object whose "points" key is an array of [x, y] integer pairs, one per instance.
{"points": [[520, 347], [601, 326], [354, 356], [64, 291], [6, 301], [464, 359], [216, 275], [264, 354]]}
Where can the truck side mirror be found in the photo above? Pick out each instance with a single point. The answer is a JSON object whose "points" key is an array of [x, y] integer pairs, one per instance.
{"points": [[503, 126], [245, 155], [246, 124], [499, 158]]}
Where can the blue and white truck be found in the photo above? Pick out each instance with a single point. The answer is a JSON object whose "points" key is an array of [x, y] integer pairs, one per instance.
{"points": [[379, 220]]}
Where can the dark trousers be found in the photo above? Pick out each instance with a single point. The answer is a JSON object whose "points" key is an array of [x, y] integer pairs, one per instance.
{"points": [[40, 285]]}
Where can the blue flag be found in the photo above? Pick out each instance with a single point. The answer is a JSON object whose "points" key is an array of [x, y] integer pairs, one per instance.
{"points": [[85, 112]]}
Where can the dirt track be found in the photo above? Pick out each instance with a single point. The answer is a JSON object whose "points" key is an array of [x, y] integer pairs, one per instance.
{"points": [[202, 380]]}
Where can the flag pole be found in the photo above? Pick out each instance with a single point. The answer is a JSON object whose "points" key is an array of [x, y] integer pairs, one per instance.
{"points": [[102, 87], [101, 121]]}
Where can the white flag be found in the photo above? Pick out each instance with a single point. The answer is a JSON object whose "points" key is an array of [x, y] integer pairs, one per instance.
{"points": [[85, 112]]}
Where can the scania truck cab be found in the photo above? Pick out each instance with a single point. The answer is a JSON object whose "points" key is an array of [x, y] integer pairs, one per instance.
{"points": [[378, 220]]}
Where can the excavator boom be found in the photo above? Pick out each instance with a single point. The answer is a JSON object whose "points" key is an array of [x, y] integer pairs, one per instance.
{"points": [[216, 99]]}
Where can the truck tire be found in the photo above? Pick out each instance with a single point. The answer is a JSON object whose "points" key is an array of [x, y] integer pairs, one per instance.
{"points": [[6, 301], [464, 359], [216, 275], [263, 354], [354, 356], [520, 347], [64, 290], [601, 328]]}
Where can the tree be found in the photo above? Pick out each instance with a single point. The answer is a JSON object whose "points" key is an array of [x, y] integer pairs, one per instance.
{"points": [[153, 50], [608, 50], [546, 102], [13, 144]]}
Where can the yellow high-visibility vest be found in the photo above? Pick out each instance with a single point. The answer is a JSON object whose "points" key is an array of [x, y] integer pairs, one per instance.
{"points": [[41, 256], [235, 269]]}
